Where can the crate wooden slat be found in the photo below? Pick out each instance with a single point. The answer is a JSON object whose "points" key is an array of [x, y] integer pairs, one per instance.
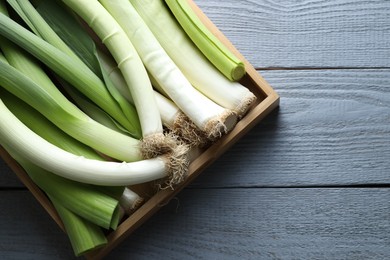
{"points": [[267, 100]]}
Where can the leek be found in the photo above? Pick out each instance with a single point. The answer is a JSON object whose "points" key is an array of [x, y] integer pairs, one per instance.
{"points": [[179, 124], [217, 53], [208, 116], [116, 217], [38, 25], [80, 198], [84, 236], [44, 128], [40, 92], [65, 115], [92, 110], [34, 148], [64, 25], [41, 126], [194, 65], [78, 42], [72, 70], [127, 59], [130, 201], [172, 117], [68, 27]]}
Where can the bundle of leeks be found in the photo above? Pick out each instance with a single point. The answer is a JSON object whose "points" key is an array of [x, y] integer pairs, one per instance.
{"points": [[100, 95]]}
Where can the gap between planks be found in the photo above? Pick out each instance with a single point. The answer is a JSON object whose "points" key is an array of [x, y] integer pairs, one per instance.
{"points": [[320, 68], [353, 186]]}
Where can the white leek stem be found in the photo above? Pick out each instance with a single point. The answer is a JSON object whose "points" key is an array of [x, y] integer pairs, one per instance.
{"points": [[66, 116], [197, 69], [112, 35], [167, 108], [130, 201], [172, 117], [206, 114], [73, 71], [29, 145]]}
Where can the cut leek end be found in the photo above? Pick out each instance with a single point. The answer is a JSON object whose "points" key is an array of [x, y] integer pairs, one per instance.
{"points": [[215, 128], [187, 131], [158, 144], [83, 249], [130, 201], [134, 206], [83, 235], [116, 217], [215, 51], [237, 72], [137, 204], [245, 104]]}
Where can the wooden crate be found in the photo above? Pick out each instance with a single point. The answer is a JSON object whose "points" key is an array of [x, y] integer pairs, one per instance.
{"points": [[267, 100]]}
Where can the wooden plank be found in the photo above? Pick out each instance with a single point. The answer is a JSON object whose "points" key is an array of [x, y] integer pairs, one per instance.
{"points": [[225, 224], [313, 33], [333, 128]]}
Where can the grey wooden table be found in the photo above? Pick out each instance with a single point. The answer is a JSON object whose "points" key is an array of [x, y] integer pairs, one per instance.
{"points": [[311, 181]]}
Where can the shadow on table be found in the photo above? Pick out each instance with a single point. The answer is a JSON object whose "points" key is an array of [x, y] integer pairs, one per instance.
{"points": [[256, 146]]}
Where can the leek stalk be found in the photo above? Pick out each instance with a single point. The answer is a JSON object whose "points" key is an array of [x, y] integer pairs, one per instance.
{"points": [[66, 26], [208, 116], [172, 117], [194, 65], [154, 142], [127, 59], [41, 126], [83, 48], [40, 92], [72, 70], [38, 25], [80, 198], [217, 53], [92, 110], [130, 201], [66, 116], [84, 236], [34, 148]]}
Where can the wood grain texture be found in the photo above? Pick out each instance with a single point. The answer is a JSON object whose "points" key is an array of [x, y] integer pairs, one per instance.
{"points": [[306, 33], [226, 224]]}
